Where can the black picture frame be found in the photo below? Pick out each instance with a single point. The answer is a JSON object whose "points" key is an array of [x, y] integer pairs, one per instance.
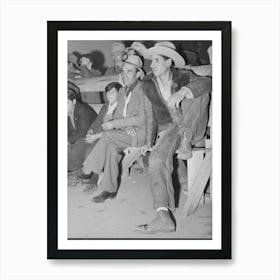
{"points": [[52, 103]]}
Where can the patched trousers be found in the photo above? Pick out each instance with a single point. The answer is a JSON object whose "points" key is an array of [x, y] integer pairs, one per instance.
{"points": [[194, 122]]}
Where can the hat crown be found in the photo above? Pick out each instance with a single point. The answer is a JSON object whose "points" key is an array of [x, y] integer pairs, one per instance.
{"points": [[135, 60], [166, 44], [118, 46], [168, 49]]}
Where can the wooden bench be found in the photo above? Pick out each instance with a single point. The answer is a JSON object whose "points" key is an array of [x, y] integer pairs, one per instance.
{"points": [[197, 187]]}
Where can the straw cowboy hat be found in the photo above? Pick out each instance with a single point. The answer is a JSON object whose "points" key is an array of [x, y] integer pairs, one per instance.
{"points": [[137, 62], [167, 49], [118, 47], [137, 47]]}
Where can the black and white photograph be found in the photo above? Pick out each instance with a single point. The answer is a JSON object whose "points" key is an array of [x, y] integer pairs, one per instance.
{"points": [[138, 134], [140, 122]]}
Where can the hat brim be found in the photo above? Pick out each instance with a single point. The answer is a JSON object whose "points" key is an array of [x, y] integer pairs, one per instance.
{"points": [[136, 66], [176, 57]]}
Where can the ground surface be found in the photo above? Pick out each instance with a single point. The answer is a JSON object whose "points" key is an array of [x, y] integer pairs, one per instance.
{"points": [[119, 217]]}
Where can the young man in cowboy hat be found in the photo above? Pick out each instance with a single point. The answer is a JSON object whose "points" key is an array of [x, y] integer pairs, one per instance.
{"points": [[124, 128], [180, 104]]}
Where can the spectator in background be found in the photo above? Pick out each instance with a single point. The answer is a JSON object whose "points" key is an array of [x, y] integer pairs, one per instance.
{"points": [[119, 55], [87, 66], [73, 66], [80, 117]]}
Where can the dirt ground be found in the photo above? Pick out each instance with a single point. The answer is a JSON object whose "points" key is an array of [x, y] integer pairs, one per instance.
{"points": [[118, 218]]}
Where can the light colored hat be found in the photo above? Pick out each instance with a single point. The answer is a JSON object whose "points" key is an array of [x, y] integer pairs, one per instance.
{"points": [[137, 62], [118, 47], [167, 49]]}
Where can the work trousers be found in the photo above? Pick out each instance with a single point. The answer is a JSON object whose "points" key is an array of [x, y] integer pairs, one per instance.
{"points": [[193, 122], [106, 156]]}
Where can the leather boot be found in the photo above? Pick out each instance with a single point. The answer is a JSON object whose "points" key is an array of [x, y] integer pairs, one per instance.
{"points": [[91, 186], [162, 223]]}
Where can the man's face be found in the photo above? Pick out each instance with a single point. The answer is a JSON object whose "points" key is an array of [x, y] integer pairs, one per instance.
{"points": [[112, 95], [84, 61], [159, 65], [128, 73]]}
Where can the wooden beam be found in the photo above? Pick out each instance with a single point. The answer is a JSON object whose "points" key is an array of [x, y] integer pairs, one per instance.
{"points": [[199, 185]]}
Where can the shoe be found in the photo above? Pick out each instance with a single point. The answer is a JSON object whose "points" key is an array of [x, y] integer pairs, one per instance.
{"points": [[103, 196], [85, 176], [73, 180], [91, 185], [162, 223], [90, 188]]}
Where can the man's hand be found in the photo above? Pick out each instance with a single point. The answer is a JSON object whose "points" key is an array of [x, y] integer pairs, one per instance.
{"points": [[144, 149], [176, 98], [90, 132], [108, 125], [84, 61], [90, 138]]}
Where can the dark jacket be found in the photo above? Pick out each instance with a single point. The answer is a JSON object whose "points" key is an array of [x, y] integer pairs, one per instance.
{"points": [[84, 115], [180, 78]]}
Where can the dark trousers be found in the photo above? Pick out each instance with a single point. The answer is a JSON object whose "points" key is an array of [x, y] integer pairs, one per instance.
{"points": [[77, 153], [193, 122]]}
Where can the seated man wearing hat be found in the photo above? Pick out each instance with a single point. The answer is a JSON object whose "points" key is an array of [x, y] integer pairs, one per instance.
{"points": [[180, 102], [80, 117], [87, 67], [126, 127], [119, 55]]}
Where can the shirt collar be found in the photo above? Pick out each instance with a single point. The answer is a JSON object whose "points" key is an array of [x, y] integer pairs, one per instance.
{"points": [[130, 88]]}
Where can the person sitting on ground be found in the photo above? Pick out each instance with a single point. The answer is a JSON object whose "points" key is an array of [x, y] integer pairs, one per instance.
{"points": [[126, 127], [118, 55], [87, 66], [80, 117]]}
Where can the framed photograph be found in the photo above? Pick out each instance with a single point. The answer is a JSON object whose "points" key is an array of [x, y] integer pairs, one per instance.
{"points": [[145, 110]]}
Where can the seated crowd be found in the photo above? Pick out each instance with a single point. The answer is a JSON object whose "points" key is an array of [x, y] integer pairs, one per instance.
{"points": [[161, 106]]}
